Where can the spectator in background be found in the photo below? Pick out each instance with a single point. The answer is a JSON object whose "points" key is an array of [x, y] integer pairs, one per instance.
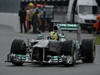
{"points": [[41, 19], [35, 20], [22, 16], [28, 18], [97, 25]]}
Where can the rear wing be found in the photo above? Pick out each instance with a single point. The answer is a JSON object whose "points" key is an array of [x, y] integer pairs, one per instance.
{"points": [[68, 27], [71, 27]]}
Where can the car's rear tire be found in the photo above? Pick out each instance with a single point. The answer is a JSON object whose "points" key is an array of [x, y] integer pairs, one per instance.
{"points": [[18, 47], [68, 50], [88, 51]]}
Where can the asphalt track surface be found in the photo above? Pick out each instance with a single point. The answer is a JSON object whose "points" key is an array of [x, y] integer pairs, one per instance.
{"points": [[7, 34]]}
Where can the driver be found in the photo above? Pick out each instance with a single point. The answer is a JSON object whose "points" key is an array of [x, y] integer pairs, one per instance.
{"points": [[54, 35]]}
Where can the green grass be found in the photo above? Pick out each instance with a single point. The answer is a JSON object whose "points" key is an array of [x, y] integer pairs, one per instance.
{"points": [[97, 40]]}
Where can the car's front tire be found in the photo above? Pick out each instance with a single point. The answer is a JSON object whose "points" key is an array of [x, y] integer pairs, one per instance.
{"points": [[18, 47]]}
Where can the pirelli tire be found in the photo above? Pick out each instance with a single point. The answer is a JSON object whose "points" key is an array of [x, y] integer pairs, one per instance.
{"points": [[88, 51], [69, 51], [18, 47]]}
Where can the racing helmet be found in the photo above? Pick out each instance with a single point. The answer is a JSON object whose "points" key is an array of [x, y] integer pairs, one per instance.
{"points": [[30, 4], [54, 35]]}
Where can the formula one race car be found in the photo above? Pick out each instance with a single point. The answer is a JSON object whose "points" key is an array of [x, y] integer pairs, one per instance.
{"points": [[62, 51]]}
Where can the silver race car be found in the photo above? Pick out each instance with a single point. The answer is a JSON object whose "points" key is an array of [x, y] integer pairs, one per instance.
{"points": [[43, 50]]}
